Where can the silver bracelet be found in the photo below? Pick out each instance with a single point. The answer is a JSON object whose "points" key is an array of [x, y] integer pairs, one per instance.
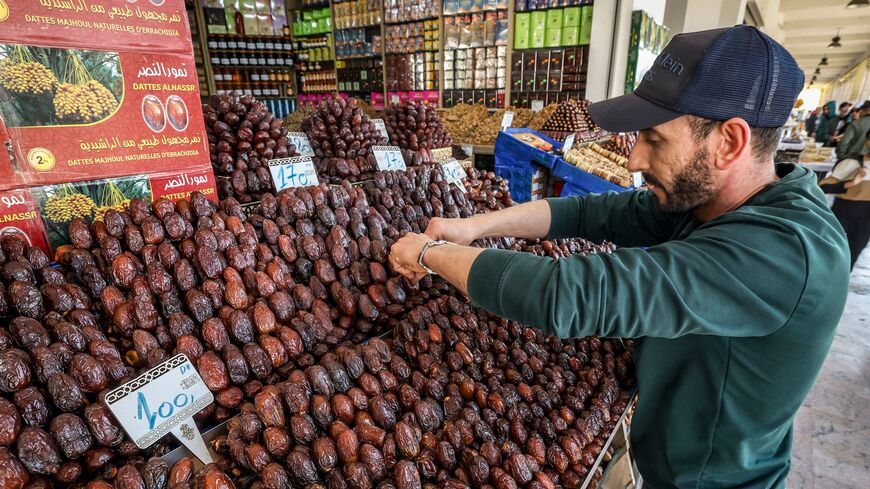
{"points": [[429, 244]]}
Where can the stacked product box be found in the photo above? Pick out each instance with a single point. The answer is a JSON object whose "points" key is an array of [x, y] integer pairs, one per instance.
{"points": [[552, 28], [548, 76], [316, 21], [97, 107]]}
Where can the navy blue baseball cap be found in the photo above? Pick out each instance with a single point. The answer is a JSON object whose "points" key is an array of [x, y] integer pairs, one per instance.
{"points": [[717, 74]]}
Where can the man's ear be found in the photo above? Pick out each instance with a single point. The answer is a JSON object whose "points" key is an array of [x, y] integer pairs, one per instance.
{"points": [[734, 143]]}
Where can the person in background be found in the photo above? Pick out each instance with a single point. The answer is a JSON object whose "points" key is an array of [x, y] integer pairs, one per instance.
{"points": [[852, 194], [823, 125], [844, 117], [851, 143], [810, 123]]}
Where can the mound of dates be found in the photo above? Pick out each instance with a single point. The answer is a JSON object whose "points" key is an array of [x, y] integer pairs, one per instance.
{"points": [[55, 360], [461, 399], [341, 136], [242, 137], [416, 127]]}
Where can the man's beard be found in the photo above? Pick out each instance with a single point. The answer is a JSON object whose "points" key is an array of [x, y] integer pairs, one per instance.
{"points": [[691, 188]]}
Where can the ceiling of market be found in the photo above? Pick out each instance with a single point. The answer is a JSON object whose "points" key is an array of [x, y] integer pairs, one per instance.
{"points": [[807, 27]]}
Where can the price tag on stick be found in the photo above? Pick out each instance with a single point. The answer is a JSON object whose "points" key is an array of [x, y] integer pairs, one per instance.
{"points": [[454, 173], [569, 143], [297, 171], [389, 158], [381, 127], [300, 140], [537, 105], [507, 120], [163, 400]]}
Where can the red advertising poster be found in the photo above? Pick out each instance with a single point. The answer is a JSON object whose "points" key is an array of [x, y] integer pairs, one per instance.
{"points": [[74, 115], [19, 214], [132, 25]]}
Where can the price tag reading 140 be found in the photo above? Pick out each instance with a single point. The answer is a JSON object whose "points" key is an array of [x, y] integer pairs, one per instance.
{"points": [[297, 171], [300, 140], [453, 172], [389, 158], [163, 400]]}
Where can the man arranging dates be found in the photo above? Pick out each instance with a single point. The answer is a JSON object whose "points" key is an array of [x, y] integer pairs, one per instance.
{"points": [[731, 270]]}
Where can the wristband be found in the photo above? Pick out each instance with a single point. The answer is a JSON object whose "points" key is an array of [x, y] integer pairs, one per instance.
{"points": [[429, 244]]}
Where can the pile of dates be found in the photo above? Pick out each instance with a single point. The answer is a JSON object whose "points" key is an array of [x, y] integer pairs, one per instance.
{"points": [[416, 127], [461, 400], [341, 136], [55, 360], [242, 137]]}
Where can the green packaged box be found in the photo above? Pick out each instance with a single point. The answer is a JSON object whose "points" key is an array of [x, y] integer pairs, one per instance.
{"points": [[555, 18], [521, 31], [571, 18], [553, 38], [571, 36], [539, 21], [537, 38], [586, 25]]}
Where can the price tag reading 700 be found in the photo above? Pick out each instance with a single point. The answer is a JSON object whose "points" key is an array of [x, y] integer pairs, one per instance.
{"points": [[300, 140], [389, 158], [293, 172]]}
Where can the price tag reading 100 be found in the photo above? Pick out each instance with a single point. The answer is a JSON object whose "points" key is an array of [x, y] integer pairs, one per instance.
{"points": [[293, 172], [300, 140], [389, 158]]}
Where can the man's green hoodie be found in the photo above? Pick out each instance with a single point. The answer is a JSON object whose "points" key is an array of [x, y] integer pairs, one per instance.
{"points": [[736, 315]]}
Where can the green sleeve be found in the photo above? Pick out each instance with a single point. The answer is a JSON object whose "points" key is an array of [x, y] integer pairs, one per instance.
{"points": [[627, 219], [846, 142], [721, 280]]}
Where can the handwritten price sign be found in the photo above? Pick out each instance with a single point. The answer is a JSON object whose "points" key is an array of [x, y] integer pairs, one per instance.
{"points": [[453, 171], [300, 140], [389, 158], [163, 400], [381, 127], [297, 171], [506, 120]]}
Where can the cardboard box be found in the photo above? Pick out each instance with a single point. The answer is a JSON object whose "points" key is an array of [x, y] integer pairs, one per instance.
{"points": [[554, 38], [570, 36], [555, 17], [571, 18], [19, 214], [522, 31], [538, 21], [586, 25]]}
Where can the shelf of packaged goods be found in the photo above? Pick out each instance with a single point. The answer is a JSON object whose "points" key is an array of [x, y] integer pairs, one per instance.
{"points": [[408, 21], [415, 52], [312, 34], [358, 56], [484, 11], [349, 27]]}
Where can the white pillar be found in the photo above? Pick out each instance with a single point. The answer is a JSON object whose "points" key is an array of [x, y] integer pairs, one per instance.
{"points": [[700, 15]]}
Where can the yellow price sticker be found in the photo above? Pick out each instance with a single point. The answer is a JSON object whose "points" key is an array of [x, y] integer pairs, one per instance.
{"points": [[41, 159], [4, 11]]}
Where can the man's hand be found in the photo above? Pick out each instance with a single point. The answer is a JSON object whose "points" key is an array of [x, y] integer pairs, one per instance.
{"points": [[404, 254], [859, 176], [459, 231]]}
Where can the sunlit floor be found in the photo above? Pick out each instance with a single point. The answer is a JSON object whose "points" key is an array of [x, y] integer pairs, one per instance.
{"points": [[832, 429]]}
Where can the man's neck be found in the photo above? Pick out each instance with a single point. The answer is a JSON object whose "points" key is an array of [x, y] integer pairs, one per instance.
{"points": [[735, 192]]}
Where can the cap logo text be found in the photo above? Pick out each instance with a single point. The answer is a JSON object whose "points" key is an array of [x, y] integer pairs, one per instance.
{"points": [[670, 63]]}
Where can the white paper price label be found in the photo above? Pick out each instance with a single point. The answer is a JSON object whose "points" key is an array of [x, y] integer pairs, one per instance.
{"points": [[637, 179], [469, 149], [389, 158], [381, 127], [163, 400], [507, 120], [453, 171], [537, 105], [569, 143], [300, 140], [394, 99], [297, 171]]}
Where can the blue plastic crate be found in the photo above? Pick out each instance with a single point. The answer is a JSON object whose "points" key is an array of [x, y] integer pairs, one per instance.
{"points": [[510, 151], [519, 181], [577, 180]]}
